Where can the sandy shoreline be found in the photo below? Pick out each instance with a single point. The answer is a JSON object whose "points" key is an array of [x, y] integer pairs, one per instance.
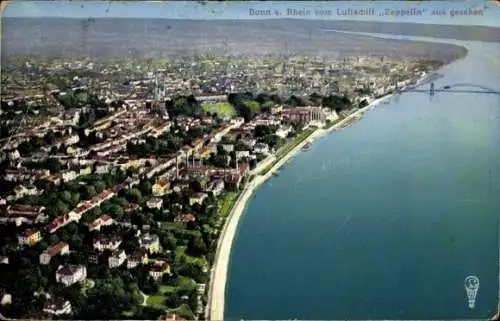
{"points": [[217, 287]]}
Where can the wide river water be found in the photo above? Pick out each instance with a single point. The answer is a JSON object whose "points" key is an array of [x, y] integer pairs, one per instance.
{"points": [[386, 218]]}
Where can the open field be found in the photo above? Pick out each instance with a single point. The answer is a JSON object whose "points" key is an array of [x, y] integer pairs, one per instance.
{"points": [[221, 109], [157, 300]]}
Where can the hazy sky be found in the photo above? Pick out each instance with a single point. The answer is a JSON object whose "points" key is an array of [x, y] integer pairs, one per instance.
{"points": [[487, 12]]}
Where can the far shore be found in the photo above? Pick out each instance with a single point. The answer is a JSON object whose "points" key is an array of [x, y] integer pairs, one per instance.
{"points": [[217, 287]]}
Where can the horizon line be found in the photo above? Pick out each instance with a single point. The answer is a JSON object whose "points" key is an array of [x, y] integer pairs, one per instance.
{"points": [[250, 20]]}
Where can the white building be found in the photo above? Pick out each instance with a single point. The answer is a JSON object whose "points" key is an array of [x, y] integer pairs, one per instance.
{"points": [[242, 153], [283, 131], [14, 155], [71, 140], [68, 176], [136, 258], [57, 306], [261, 148], [154, 203], [102, 168], [216, 187], [21, 191], [71, 274], [5, 298], [116, 259], [228, 147], [107, 243]]}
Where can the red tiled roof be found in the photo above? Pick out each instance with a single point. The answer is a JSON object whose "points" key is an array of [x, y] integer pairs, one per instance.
{"points": [[185, 218], [136, 256], [94, 224], [159, 266], [154, 200], [52, 227], [29, 232], [117, 253], [81, 208], [132, 207], [117, 188], [107, 239], [68, 269], [57, 222], [55, 249], [25, 210], [105, 217]]}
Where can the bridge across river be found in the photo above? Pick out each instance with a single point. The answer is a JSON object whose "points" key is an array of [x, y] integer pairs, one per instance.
{"points": [[478, 89]]}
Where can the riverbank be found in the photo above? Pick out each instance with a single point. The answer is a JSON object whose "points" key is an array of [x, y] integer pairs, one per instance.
{"points": [[217, 287]]}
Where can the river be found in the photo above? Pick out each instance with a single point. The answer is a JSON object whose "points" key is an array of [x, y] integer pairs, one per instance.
{"points": [[386, 218]]}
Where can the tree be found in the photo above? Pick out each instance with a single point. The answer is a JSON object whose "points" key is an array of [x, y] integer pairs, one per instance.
{"points": [[92, 215], [295, 101], [99, 186], [116, 211], [53, 239], [145, 187], [134, 195], [75, 199], [271, 140], [90, 192], [195, 185], [336, 102], [120, 201], [363, 103], [25, 148], [61, 208], [66, 197], [53, 165], [315, 99], [262, 130], [226, 140]]}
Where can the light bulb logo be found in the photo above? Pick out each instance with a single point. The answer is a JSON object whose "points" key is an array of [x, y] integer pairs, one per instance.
{"points": [[471, 288]]}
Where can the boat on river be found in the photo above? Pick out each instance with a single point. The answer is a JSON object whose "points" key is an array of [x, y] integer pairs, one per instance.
{"points": [[307, 147]]}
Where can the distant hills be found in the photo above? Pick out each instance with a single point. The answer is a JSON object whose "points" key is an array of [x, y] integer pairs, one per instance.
{"points": [[155, 38]]}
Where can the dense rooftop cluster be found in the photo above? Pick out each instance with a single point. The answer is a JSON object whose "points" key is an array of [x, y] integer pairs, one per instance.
{"points": [[112, 200]]}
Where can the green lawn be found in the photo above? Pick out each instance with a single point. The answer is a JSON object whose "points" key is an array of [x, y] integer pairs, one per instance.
{"points": [[227, 202], [222, 109], [87, 285], [156, 301], [166, 289], [180, 251], [184, 280], [128, 313], [330, 124]]}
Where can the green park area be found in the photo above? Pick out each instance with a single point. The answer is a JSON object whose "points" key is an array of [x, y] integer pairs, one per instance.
{"points": [[221, 109], [227, 202], [158, 300], [330, 123]]}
